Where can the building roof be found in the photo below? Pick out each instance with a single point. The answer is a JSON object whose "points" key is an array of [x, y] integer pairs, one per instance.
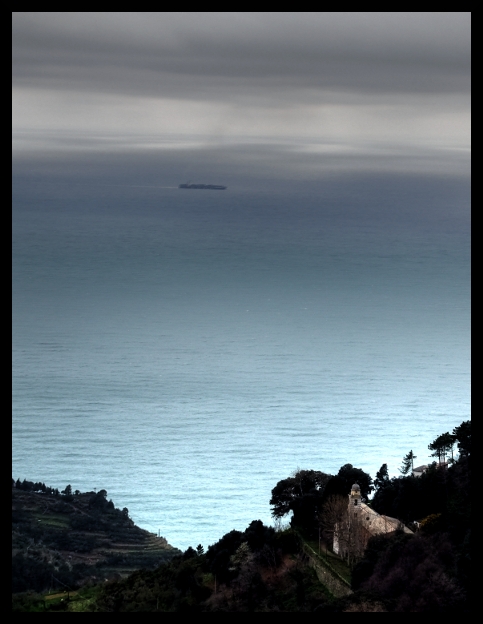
{"points": [[424, 467], [421, 468], [377, 524]]}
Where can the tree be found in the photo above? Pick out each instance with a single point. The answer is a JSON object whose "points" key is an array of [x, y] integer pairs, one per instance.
{"points": [[336, 521], [333, 512], [67, 491], [382, 478], [408, 463], [242, 556], [412, 573], [337, 486], [99, 500], [348, 475], [441, 446], [462, 435], [383, 499], [301, 494]]}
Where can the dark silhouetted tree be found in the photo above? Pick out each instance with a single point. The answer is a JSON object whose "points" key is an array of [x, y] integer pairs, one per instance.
{"points": [[441, 446], [352, 475], [462, 436], [382, 478], [408, 463], [302, 494], [414, 573]]}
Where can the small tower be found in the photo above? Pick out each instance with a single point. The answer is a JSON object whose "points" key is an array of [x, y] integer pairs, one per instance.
{"points": [[355, 501]]}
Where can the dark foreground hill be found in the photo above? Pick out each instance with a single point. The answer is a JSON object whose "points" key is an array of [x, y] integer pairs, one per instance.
{"points": [[66, 540]]}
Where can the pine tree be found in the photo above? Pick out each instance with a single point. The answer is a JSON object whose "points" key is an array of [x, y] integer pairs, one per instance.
{"points": [[442, 445], [408, 463]]}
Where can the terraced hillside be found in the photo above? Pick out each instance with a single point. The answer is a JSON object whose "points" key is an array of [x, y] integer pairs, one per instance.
{"points": [[67, 540]]}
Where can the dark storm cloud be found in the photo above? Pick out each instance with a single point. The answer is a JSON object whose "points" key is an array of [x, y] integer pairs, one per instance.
{"points": [[226, 55], [330, 90]]}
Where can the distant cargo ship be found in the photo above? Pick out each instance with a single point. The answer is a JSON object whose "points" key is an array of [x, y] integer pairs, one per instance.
{"points": [[211, 187]]}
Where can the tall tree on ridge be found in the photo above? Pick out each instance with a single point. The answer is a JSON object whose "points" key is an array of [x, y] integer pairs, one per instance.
{"points": [[382, 477], [408, 463], [441, 446]]}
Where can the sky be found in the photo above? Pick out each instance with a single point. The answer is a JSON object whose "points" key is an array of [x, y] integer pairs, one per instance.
{"points": [[299, 94]]}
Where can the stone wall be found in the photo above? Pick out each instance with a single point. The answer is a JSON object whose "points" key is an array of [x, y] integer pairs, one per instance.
{"points": [[335, 584]]}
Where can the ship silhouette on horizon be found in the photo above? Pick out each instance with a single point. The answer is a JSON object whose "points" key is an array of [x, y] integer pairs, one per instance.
{"points": [[211, 187]]}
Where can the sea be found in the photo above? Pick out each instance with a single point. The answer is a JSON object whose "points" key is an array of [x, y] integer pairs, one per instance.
{"points": [[186, 350]]}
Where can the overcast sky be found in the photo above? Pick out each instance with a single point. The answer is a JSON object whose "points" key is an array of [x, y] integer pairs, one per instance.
{"points": [[380, 85]]}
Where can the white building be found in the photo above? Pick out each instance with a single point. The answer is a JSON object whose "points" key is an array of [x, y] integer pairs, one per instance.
{"points": [[361, 524], [417, 472]]}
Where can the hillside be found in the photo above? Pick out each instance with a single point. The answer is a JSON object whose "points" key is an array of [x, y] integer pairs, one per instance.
{"points": [[70, 539], [65, 540]]}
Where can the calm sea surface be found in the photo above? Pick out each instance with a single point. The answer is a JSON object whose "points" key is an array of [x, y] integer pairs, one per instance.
{"points": [[186, 350]]}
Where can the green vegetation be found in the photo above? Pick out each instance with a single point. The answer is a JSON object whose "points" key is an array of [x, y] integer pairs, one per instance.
{"points": [[63, 541], [330, 559], [305, 492], [72, 542], [259, 569]]}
